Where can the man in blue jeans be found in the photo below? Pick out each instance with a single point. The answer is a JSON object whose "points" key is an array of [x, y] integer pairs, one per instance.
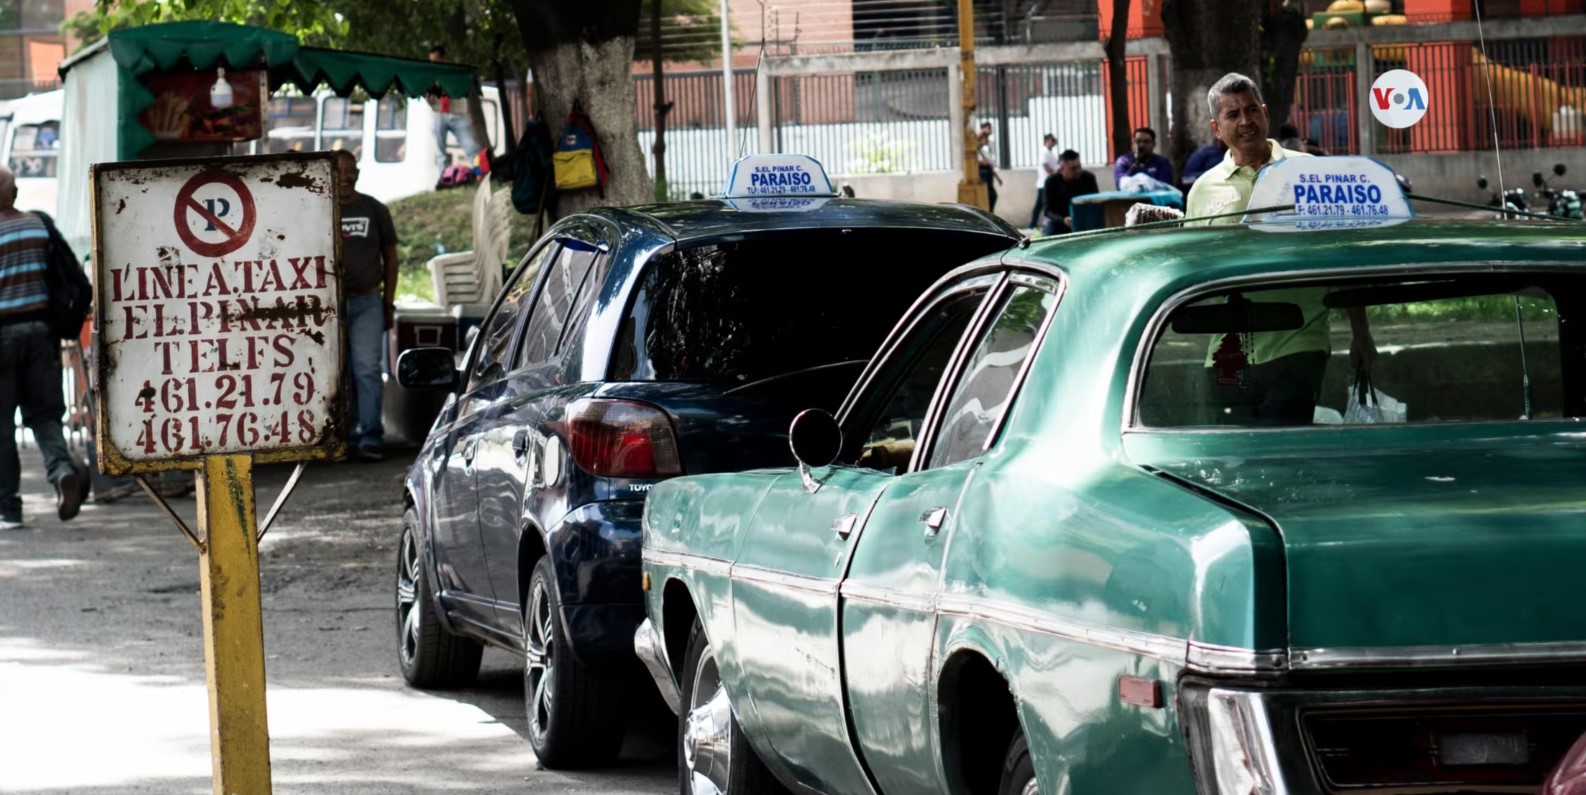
{"points": [[368, 288], [30, 363], [451, 114]]}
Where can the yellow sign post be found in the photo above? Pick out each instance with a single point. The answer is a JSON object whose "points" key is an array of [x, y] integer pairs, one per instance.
{"points": [[239, 733], [218, 346]]}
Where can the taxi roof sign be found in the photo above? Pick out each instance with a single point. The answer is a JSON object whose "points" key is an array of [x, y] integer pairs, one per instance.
{"points": [[764, 175], [1329, 192]]}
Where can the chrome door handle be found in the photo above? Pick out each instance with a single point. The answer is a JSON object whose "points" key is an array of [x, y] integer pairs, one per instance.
{"points": [[934, 519], [845, 524]]}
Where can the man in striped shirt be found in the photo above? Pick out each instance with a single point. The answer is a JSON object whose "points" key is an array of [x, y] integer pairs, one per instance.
{"points": [[30, 363]]}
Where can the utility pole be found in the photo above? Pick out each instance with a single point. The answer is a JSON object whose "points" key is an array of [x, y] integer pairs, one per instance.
{"points": [[971, 190], [726, 81]]}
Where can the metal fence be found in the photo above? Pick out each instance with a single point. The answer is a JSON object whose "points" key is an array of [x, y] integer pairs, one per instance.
{"points": [[1520, 94], [898, 121]]}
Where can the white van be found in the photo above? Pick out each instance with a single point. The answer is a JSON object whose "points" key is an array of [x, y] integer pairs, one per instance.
{"points": [[393, 138], [30, 143]]}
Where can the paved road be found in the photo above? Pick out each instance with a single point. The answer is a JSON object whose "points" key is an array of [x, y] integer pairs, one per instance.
{"points": [[102, 673]]}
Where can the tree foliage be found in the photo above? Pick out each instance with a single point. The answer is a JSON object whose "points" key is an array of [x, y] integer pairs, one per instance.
{"points": [[690, 31], [313, 22]]}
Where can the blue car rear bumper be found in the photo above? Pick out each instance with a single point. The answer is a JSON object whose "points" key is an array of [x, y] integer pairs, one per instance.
{"points": [[595, 553]]}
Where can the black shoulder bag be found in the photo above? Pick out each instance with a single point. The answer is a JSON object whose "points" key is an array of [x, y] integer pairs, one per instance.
{"points": [[71, 295]]}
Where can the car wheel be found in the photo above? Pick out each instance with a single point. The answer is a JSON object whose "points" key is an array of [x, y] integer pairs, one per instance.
{"points": [[1018, 769], [576, 716], [428, 655], [713, 758]]}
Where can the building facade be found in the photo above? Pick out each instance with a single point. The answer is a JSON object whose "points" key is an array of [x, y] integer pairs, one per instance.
{"points": [[32, 45]]}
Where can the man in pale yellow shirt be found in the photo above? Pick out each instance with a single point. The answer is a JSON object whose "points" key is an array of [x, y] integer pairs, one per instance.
{"points": [[1270, 377]]}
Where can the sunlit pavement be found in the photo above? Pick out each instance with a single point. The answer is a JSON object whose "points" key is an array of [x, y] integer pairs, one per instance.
{"points": [[101, 659]]}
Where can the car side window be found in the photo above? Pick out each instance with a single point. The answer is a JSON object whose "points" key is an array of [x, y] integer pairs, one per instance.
{"points": [[986, 388], [564, 285], [496, 332], [902, 393]]}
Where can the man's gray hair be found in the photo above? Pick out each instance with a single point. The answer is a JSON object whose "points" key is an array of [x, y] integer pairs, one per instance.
{"points": [[1231, 83]]}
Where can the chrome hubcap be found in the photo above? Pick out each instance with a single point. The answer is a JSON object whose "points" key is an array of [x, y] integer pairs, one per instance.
{"points": [[539, 672], [1030, 788], [409, 609], [707, 731]]}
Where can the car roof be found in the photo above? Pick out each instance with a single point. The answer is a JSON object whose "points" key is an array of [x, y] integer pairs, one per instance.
{"points": [[710, 218], [1178, 257]]}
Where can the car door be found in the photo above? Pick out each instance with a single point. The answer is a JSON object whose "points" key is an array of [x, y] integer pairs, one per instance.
{"points": [[510, 464], [786, 575], [459, 553], [888, 594]]}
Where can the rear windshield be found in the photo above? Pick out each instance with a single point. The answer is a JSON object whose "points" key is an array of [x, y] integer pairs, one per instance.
{"points": [[1425, 349], [739, 313]]}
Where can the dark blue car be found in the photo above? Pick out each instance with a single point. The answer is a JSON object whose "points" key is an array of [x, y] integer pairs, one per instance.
{"points": [[629, 346]]}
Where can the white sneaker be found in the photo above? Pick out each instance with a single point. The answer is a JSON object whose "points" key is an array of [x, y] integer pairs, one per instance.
{"points": [[11, 524]]}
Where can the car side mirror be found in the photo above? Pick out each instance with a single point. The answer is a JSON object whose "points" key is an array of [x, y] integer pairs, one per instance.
{"points": [[427, 368], [815, 438], [1558, 169], [1536, 179], [816, 441]]}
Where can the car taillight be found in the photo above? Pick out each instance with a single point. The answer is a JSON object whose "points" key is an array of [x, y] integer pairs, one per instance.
{"points": [[622, 439]]}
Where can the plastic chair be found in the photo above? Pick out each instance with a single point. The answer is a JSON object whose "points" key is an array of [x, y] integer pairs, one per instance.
{"points": [[474, 277]]}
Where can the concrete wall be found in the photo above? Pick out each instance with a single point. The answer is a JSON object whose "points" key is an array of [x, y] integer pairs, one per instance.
{"points": [[1445, 176]]}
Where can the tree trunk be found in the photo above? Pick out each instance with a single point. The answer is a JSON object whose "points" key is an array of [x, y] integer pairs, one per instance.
{"points": [[1283, 36], [1207, 39], [658, 71], [582, 51], [1118, 80]]}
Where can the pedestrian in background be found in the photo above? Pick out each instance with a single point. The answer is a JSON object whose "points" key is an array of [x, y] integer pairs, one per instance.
{"points": [[1047, 168], [1070, 180], [30, 364], [988, 166], [369, 278], [451, 113], [1143, 160], [1200, 161]]}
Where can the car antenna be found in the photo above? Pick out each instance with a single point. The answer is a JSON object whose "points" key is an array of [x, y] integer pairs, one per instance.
{"points": [[1492, 110], [759, 62], [1525, 369]]}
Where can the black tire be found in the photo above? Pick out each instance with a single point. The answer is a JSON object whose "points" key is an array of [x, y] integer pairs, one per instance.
{"points": [[429, 656], [1018, 769], [576, 714], [699, 750]]}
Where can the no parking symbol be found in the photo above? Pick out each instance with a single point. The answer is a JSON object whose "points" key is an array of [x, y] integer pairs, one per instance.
{"points": [[214, 213]]}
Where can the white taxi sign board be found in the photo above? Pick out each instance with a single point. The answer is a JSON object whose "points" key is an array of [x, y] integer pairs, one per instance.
{"points": [[218, 287], [1328, 193], [755, 176]]}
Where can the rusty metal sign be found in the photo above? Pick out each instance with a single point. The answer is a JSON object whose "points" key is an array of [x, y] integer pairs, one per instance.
{"points": [[217, 328]]}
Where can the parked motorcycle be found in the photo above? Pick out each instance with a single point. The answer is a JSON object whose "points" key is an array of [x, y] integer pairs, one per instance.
{"points": [[1512, 200], [1561, 202]]}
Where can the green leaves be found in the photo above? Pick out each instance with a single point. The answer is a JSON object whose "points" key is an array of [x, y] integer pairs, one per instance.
{"points": [[312, 21]]}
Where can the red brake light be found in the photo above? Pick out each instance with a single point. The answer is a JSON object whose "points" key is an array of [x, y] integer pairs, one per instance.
{"points": [[622, 439]]}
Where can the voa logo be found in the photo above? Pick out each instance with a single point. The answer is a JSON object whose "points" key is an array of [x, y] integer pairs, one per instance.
{"points": [[1398, 98]]}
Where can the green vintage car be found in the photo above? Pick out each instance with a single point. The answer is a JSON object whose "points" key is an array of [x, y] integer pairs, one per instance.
{"points": [[1263, 508]]}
